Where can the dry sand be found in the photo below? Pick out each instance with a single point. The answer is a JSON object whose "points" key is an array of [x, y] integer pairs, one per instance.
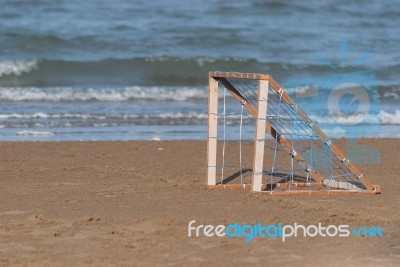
{"points": [[129, 204]]}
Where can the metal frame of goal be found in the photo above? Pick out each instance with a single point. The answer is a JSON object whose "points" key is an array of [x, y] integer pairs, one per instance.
{"points": [[296, 158]]}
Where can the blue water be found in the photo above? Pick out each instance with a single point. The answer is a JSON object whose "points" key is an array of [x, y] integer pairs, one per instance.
{"points": [[137, 70]]}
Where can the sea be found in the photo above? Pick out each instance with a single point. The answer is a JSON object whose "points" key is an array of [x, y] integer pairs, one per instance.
{"points": [[138, 70]]}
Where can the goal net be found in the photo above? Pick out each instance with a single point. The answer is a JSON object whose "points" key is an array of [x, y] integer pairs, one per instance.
{"points": [[253, 115]]}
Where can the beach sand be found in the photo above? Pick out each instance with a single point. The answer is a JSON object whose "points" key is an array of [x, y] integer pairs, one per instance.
{"points": [[129, 204]]}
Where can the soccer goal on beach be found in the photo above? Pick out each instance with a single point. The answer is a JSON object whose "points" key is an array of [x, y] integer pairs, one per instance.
{"points": [[295, 157]]}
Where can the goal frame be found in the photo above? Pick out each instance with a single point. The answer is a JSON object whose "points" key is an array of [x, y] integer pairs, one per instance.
{"points": [[259, 112]]}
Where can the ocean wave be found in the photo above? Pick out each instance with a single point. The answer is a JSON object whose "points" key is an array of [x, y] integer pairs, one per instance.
{"points": [[40, 119], [390, 118], [132, 93], [383, 118], [136, 71], [40, 133], [175, 71], [104, 116], [373, 119], [17, 67], [146, 93], [58, 120]]}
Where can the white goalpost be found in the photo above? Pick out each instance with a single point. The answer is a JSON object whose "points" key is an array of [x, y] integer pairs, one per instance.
{"points": [[296, 157]]}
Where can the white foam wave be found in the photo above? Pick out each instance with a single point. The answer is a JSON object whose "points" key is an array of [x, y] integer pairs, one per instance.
{"points": [[382, 118], [84, 116], [41, 115], [392, 95], [201, 61], [17, 67], [66, 94], [348, 120], [390, 118], [41, 133], [337, 132]]}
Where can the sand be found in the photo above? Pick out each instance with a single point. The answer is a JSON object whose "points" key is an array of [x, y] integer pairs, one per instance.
{"points": [[129, 204]]}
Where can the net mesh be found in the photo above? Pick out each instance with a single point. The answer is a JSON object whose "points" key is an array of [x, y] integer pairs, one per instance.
{"points": [[296, 151]]}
